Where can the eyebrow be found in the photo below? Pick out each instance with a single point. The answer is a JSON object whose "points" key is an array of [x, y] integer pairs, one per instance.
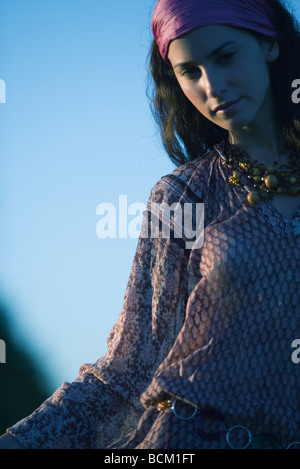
{"points": [[210, 55]]}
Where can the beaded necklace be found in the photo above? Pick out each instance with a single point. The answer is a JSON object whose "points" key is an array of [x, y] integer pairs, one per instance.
{"points": [[266, 182]]}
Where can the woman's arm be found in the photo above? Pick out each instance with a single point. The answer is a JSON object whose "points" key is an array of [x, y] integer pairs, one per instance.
{"points": [[103, 404]]}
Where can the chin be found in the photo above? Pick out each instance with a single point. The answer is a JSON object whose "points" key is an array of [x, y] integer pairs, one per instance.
{"points": [[235, 123]]}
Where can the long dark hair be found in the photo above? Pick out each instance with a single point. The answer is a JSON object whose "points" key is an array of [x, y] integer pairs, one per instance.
{"points": [[186, 134]]}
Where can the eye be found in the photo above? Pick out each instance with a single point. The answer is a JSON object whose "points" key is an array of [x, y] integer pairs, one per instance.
{"points": [[190, 72], [226, 57]]}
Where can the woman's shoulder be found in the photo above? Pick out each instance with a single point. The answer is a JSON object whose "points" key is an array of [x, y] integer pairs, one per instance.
{"points": [[188, 182]]}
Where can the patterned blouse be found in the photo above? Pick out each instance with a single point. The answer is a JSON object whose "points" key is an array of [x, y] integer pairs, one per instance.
{"points": [[205, 331]]}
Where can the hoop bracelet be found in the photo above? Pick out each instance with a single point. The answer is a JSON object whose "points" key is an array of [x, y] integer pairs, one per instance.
{"points": [[200, 415]]}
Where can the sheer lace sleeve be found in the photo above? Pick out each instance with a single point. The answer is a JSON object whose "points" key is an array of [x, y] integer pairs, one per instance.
{"points": [[103, 403]]}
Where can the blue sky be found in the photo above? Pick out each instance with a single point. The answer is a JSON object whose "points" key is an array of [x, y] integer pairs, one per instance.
{"points": [[76, 132]]}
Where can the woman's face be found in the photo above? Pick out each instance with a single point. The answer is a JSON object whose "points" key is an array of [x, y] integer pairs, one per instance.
{"points": [[224, 72]]}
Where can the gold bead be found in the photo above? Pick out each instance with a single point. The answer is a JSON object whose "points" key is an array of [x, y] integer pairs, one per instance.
{"points": [[271, 181], [293, 180], [236, 175], [253, 198]]}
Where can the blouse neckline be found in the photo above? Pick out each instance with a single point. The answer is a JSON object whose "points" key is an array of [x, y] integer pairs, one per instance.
{"points": [[285, 226]]}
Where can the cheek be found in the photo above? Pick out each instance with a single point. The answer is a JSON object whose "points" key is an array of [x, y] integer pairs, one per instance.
{"points": [[195, 96], [257, 80]]}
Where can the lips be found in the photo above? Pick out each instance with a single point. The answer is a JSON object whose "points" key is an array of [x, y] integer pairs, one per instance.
{"points": [[224, 106]]}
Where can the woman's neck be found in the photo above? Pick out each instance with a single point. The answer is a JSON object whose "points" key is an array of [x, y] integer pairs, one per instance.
{"points": [[263, 140], [265, 148]]}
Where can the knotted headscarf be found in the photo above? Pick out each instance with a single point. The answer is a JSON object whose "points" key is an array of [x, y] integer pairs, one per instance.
{"points": [[174, 18]]}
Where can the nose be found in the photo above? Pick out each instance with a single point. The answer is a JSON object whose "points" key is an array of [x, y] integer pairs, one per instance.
{"points": [[213, 84]]}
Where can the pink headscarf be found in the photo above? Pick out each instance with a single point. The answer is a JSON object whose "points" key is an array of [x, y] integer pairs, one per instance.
{"points": [[174, 18]]}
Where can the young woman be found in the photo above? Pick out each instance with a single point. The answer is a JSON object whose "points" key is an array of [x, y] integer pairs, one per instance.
{"points": [[202, 353]]}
